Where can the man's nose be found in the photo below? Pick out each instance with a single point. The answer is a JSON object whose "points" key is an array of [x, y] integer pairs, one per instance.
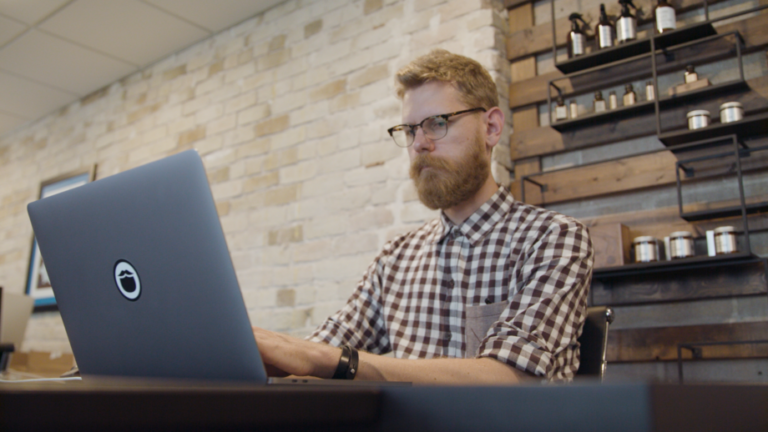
{"points": [[421, 143]]}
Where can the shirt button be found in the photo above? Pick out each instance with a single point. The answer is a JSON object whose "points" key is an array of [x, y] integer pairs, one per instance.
{"points": [[447, 336], [488, 300], [451, 283]]}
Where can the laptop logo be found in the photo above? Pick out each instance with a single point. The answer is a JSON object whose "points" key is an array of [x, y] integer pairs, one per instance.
{"points": [[127, 280]]}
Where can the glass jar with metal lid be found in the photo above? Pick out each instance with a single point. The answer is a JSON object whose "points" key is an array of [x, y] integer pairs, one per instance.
{"points": [[698, 119], [646, 249], [680, 245], [725, 240], [731, 112]]}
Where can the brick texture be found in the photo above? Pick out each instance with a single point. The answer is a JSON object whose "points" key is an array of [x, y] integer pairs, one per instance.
{"points": [[289, 111]]}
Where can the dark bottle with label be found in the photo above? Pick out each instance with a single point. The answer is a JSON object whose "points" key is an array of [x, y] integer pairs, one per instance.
{"points": [[626, 25], [577, 40], [604, 30], [561, 112], [690, 74], [599, 102], [666, 19], [630, 98]]}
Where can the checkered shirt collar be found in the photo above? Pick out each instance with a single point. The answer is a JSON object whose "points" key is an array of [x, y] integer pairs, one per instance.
{"points": [[479, 223]]}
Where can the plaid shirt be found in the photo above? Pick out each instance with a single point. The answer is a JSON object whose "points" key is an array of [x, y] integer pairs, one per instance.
{"points": [[523, 269]]}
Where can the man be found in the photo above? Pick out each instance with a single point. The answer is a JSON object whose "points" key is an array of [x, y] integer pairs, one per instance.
{"points": [[494, 291]]}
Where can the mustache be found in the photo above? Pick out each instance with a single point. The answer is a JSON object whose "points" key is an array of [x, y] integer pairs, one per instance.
{"points": [[428, 161]]}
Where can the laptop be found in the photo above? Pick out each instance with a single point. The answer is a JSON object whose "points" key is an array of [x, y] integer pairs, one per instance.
{"points": [[143, 278]]}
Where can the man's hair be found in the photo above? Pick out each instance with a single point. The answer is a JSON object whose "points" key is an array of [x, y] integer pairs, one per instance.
{"points": [[474, 83]]}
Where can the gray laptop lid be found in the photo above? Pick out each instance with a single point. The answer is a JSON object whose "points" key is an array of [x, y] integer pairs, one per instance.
{"points": [[143, 277]]}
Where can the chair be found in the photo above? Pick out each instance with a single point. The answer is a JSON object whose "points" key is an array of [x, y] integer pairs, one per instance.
{"points": [[594, 341]]}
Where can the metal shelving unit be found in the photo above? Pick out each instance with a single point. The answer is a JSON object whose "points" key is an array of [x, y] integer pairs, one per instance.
{"points": [[647, 106], [696, 351], [660, 102], [620, 112], [635, 48], [738, 153], [697, 145], [749, 126], [698, 262]]}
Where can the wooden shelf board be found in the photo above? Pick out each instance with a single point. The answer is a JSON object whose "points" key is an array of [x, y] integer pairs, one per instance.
{"points": [[724, 212], [674, 265], [750, 126], [623, 111]]}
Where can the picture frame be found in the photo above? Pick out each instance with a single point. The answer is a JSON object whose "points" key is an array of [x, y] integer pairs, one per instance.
{"points": [[38, 285]]}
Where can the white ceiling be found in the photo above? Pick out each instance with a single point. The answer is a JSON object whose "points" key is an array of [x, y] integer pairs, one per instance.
{"points": [[54, 52]]}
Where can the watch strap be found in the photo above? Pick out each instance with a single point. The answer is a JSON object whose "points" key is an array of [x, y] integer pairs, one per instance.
{"points": [[353, 362], [341, 368], [348, 363]]}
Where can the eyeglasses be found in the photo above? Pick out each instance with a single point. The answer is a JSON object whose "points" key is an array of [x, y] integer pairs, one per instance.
{"points": [[434, 128]]}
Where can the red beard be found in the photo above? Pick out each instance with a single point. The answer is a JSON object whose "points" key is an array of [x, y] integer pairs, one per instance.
{"points": [[449, 183]]}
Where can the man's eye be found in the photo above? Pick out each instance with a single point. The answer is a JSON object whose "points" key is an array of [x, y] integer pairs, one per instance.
{"points": [[438, 123]]}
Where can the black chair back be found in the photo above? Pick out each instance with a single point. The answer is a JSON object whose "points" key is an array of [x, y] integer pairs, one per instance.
{"points": [[594, 341]]}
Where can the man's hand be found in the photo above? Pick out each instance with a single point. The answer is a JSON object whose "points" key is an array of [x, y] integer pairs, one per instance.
{"points": [[285, 355]]}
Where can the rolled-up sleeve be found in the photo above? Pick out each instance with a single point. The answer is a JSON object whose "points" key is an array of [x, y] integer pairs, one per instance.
{"points": [[360, 322], [538, 331]]}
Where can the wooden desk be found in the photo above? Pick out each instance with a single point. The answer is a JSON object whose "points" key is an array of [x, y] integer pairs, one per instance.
{"points": [[578, 407], [572, 408], [145, 406]]}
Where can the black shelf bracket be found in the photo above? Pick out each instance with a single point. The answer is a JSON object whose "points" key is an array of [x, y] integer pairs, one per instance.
{"points": [[698, 354], [527, 179]]}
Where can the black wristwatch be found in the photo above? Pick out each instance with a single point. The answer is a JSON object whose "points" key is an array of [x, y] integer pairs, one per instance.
{"points": [[347, 368]]}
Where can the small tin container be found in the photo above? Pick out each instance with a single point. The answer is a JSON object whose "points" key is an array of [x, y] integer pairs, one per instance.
{"points": [[698, 119], [650, 93], [725, 240], [731, 112], [646, 249], [680, 245], [573, 108], [613, 100]]}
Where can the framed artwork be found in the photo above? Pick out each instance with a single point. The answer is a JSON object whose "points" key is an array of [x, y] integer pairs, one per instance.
{"points": [[38, 285]]}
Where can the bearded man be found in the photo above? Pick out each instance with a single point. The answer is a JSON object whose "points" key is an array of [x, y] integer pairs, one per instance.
{"points": [[493, 291]]}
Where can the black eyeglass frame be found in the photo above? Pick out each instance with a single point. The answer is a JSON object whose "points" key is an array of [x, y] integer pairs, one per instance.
{"points": [[421, 124]]}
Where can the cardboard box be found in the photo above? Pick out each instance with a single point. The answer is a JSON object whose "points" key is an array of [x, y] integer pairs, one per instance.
{"points": [[42, 364], [612, 244]]}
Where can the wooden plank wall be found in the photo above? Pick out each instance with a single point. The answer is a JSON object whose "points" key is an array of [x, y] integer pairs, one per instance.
{"points": [[661, 344], [530, 142]]}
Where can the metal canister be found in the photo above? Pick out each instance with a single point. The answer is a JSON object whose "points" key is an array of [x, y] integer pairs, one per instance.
{"points": [[698, 119], [680, 245], [646, 249], [650, 93], [613, 100], [731, 112], [725, 240]]}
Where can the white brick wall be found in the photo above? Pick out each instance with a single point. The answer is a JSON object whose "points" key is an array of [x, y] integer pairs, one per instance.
{"points": [[289, 111]]}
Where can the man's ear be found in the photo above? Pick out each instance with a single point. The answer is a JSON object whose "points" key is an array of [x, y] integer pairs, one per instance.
{"points": [[494, 126]]}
